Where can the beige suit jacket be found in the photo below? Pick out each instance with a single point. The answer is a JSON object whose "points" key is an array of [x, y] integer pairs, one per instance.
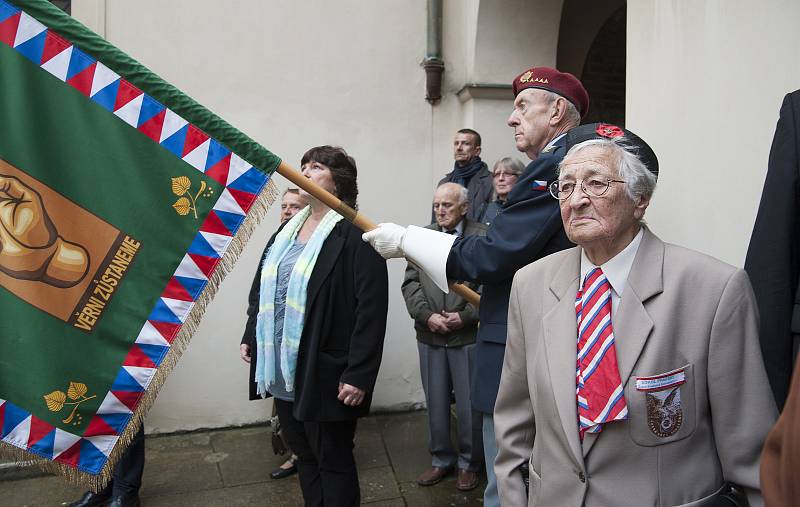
{"points": [[681, 310]]}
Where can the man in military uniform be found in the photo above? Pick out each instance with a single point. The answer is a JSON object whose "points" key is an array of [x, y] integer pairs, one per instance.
{"points": [[548, 103]]}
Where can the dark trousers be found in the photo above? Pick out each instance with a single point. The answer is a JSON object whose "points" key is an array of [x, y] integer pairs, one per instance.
{"points": [[325, 463], [127, 476]]}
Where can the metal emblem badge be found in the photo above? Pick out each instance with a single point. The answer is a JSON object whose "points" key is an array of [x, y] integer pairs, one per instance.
{"points": [[664, 412]]}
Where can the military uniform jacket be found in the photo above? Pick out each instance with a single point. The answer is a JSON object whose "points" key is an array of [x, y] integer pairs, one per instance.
{"points": [[527, 228], [423, 299], [681, 313]]}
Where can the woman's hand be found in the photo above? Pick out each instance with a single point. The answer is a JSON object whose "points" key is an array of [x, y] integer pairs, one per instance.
{"points": [[350, 395], [244, 352]]}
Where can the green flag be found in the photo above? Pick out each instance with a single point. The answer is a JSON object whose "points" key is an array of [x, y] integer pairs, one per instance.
{"points": [[122, 204]]}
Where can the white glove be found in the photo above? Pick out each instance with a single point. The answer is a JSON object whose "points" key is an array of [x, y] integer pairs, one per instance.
{"points": [[387, 240]]}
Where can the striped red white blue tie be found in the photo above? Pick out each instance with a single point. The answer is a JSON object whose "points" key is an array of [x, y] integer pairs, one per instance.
{"points": [[599, 388]]}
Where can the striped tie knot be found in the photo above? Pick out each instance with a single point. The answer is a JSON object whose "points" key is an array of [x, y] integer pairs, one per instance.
{"points": [[599, 393]]}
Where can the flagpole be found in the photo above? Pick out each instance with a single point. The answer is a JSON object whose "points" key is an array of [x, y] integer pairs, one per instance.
{"points": [[359, 220]]}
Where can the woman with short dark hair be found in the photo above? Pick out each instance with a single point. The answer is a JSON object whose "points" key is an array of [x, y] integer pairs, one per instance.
{"points": [[317, 319]]}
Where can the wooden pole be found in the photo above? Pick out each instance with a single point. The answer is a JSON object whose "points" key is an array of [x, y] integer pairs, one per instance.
{"points": [[359, 220]]}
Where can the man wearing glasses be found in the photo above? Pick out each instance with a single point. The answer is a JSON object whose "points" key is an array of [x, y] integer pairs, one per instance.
{"points": [[633, 373], [548, 103]]}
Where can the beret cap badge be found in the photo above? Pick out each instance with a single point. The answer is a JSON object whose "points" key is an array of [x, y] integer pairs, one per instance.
{"points": [[526, 78], [609, 131]]}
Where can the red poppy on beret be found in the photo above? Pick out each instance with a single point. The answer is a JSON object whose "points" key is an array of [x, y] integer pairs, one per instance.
{"points": [[550, 79], [609, 131]]}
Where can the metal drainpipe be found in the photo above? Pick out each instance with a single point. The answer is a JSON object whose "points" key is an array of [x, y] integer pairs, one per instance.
{"points": [[433, 63]]}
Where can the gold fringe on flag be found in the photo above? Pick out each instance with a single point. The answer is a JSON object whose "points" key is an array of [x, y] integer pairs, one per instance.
{"points": [[269, 194]]}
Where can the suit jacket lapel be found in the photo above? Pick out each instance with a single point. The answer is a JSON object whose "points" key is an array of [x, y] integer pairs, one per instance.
{"points": [[560, 338], [325, 262], [632, 324]]}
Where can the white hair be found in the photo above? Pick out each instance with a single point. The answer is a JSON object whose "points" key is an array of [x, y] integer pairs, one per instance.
{"points": [[463, 195], [571, 116], [639, 181]]}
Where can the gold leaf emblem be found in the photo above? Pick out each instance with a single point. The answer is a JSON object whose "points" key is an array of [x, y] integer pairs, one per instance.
{"points": [[526, 78], [76, 390], [55, 400], [182, 206], [181, 185]]}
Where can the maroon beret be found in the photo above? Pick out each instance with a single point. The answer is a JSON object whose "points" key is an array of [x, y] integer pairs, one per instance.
{"points": [[550, 79]]}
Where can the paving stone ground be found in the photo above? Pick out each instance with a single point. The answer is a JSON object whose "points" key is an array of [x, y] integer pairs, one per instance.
{"points": [[230, 468]]}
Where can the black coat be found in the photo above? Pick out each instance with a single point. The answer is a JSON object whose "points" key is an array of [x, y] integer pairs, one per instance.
{"points": [[345, 324], [773, 258], [527, 228]]}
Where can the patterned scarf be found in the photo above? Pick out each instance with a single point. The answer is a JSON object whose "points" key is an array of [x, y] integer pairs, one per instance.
{"points": [[294, 317]]}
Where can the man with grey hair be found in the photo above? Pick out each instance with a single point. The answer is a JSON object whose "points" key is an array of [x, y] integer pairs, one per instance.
{"points": [[633, 373], [547, 104], [446, 326]]}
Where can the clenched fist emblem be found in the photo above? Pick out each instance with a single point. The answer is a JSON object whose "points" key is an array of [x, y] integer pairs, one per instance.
{"points": [[30, 246]]}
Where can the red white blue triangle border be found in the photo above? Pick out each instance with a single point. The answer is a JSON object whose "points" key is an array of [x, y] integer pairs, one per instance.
{"points": [[242, 183]]}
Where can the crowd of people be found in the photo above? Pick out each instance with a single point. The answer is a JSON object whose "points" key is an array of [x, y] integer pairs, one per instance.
{"points": [[602, 367]]}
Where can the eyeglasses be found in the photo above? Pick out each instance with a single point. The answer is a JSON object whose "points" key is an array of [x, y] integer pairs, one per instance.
{"points": [[593, 187], [498, 174]]}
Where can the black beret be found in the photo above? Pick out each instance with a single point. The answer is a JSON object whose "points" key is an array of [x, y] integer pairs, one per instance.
{"points": [[623, 136]]}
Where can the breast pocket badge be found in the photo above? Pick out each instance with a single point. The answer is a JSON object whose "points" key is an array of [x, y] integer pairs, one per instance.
{"points": [[663, 401]]}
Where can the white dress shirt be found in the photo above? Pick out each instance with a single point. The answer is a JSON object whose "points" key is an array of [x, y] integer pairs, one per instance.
{"points": [[616, 269]]}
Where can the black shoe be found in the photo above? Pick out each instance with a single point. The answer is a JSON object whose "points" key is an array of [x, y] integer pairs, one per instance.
{"points": [[126, 500], [92, 499], [280, 472]]}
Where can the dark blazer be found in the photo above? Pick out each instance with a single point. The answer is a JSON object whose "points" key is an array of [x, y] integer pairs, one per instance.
{"points": [[773, 258], [527, 228], [423, 299], [342, 340], [479, 193]]}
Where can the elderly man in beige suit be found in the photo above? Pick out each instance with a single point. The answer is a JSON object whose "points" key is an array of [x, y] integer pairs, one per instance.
{"points": [[632, 374]]}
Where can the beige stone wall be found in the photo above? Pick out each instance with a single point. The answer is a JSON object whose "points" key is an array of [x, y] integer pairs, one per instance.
{"points": [[705, 81]]}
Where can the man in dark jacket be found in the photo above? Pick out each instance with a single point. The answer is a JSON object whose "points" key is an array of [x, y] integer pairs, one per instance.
{"points": [[548, 104], [773, 261], [471, 172], [446, 326]]}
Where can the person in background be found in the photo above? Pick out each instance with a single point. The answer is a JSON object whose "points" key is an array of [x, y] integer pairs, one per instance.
{"points": [[446, 326], [504, 175], [471, 172], [291, 203], [316, 325]]}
